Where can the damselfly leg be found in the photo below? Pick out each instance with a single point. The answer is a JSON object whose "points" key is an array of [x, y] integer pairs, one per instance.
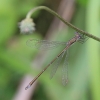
{"points": [[83, 38]]}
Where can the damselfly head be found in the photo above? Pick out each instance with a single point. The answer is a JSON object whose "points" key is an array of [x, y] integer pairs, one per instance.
{"points": [[81, 37]]}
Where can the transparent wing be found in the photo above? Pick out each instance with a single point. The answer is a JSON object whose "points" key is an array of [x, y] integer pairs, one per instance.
{"points": [[44, 44], [55, 65], [65, 70]]}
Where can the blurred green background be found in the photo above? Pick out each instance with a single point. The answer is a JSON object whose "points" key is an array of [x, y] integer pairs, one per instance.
{"points": [[17, 59]]}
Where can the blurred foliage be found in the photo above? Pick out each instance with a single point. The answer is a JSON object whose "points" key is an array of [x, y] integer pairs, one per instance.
{"points": [[82, 2], [16, 56]]}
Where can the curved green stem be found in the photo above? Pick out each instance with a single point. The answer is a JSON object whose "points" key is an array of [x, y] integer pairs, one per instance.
{"points": [[67, 23]]}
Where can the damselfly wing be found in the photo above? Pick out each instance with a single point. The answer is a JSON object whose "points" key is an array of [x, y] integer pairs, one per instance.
{"points": [[44, 44]]}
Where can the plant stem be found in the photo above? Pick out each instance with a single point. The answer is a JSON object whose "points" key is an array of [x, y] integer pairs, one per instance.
{"points": [[67, 23]]}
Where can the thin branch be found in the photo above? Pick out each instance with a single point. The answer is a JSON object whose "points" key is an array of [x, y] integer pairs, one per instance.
{"points": [[67, 23]]}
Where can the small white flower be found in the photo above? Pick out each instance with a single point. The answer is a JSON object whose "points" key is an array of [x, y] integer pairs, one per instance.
{"points": [[27, 26]]}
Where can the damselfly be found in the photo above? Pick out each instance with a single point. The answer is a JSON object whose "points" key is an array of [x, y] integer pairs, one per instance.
{"points": [[44, 44]]}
